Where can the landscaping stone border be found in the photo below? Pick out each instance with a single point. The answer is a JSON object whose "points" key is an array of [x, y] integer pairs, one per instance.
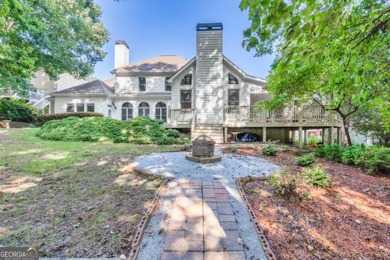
{"points": [[260, 232], [135, 245]]}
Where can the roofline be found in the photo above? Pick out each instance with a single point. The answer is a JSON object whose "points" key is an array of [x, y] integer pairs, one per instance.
{"points": [[245, 75], [54, 94], [102, 84], [148, 73], [186, 66]]}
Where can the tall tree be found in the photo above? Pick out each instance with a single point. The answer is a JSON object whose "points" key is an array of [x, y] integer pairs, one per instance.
{"points": [[53, 35], [333, 52]]}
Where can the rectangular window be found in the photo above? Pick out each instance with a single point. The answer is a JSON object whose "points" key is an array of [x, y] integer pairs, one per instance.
{"points": [[90, 107], [142, 83], [167, 84], [185, 99], [233, 97], [80, 107], [186, 80], [70, 107]]}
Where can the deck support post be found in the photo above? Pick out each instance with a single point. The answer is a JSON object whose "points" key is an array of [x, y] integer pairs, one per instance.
{"points": [[331, 135], [323, 135], [225, 134], [264, 134], [305, 136], [339, 136], [300, 135]]}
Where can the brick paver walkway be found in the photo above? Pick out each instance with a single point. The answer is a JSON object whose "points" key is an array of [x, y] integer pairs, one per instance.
{"points": [[203, 224]]}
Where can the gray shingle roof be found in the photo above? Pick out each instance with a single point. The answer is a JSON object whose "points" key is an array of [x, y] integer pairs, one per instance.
{"points": [[163, 63], [93, 87]]}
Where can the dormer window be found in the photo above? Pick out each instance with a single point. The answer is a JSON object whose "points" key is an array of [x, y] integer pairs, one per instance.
{"points": [[187, 80], [142, 83], [167, 84], [232, 79]]}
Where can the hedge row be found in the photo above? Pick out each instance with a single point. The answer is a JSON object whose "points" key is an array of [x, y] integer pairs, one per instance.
{"points": [[139, 130], [17, 110], [42, 119], [373, 159]]}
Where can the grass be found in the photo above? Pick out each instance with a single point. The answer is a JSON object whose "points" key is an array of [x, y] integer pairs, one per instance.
{"points": [[71, 199]]}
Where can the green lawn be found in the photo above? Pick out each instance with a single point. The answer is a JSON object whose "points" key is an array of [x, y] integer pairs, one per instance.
{"points": [[71, 199]]}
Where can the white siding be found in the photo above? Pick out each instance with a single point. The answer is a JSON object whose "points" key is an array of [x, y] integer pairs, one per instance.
{"points": [[130, 84], [209, 80], [100, 103]]}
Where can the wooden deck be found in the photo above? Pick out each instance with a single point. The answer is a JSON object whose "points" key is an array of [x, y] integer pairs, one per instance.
{"points": [[308, 116]]}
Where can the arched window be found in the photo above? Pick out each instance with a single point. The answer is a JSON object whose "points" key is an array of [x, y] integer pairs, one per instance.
{"points": [[143, 109], [127, 111], [232, 79], [161, 111]]}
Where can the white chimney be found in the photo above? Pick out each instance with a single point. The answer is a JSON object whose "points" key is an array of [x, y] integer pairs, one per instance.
{"points": [[121, 54], [209, 73]]}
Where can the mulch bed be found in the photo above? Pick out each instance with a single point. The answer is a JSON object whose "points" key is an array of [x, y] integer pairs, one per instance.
{"points": [[350, 219]]}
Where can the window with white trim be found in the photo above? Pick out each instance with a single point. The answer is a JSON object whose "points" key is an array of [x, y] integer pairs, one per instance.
{"points": [[233, 97], [143, 109], [70, 107], [161, 111], [127, 111], [232, 79]]}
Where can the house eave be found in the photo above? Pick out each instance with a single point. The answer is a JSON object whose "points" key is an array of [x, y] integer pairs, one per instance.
{"points": [[186, 66], [142, 73]]}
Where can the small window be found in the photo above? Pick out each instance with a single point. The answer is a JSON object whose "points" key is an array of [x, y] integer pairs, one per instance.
{"points": [[233, 97], [187, 80], [142, 83], [80, 107], [185, 99], [143, 109], [232, 79], [90, 107], [167, 84], [70, 107], [127, 111], [161, 111]]}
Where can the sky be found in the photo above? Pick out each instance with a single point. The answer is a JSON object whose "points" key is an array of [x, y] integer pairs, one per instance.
{"points": [[168, 27]]}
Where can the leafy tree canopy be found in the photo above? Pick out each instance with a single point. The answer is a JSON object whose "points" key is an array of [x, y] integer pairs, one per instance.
{"points": [[334, 52], [54, 35]]}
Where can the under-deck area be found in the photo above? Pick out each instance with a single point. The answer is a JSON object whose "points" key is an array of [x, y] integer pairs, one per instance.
{"points": [[287, 124]]}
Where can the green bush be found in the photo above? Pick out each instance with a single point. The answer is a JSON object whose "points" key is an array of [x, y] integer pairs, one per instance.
{"points": [[305, 160], [333, 152], [139, 130], [353, 154], [315, 176], [284, 183], [42, 119], [373, 159], [269, 150], [17, 110], [376, 159]]}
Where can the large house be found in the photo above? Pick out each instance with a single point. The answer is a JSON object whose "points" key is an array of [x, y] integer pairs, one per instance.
{"points": [[208, 94]]}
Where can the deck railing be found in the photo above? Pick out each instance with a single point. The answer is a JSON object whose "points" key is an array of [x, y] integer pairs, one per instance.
{"points": [[180, 115], [256, 115], [286, 114]]}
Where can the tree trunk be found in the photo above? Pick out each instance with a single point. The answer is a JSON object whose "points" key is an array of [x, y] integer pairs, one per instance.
{"points": [[346, 129]]}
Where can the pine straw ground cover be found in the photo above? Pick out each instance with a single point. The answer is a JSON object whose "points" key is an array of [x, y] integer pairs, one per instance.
{"points": [[349, 220], [70, 199]]}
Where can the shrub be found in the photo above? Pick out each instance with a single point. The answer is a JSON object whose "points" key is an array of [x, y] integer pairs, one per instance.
{"points": [[376, 159], [305, 160], [333, 152], [42, 119], [17, 110], [353, 154], [284, 183], [315, 176], [269, 150], [139, 130]]}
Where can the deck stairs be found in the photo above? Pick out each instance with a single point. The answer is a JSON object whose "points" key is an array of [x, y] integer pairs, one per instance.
{"points": [[213, 131]]}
